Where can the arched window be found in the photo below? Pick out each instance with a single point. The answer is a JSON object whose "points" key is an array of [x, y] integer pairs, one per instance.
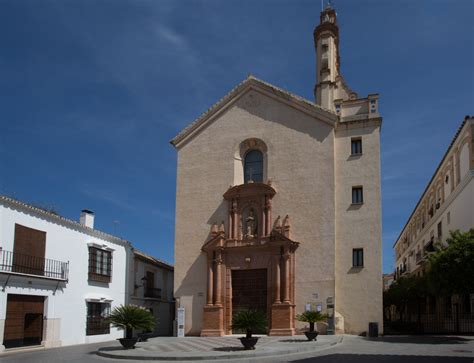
{"points": [[253, 166]]}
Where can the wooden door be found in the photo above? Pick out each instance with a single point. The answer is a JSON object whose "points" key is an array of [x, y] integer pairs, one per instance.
{"points": [[24, 320], [29, 250], [249, 290]]}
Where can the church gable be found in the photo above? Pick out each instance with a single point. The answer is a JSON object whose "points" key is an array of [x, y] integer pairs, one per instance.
{"points": [[248, 95]]}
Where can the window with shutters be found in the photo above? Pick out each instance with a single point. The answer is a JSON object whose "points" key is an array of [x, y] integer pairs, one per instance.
{"points": [[100, 265], [96, 318]]}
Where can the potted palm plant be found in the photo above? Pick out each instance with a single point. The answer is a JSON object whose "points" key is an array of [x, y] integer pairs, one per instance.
{"points": [[249, 321], [129, 317], [311, 317]]}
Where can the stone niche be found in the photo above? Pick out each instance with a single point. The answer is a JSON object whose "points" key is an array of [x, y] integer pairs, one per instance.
{"points": [[252, 241]]}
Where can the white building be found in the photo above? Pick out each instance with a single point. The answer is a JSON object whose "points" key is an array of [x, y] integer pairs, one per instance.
{"points": [[446, 204], [151, 286], [58, 278]]}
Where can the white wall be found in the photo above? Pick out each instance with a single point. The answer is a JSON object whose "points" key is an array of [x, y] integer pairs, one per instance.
{"points": [[458, 197], [464, 160], [301, 166], [65, 309], [358, 290]]}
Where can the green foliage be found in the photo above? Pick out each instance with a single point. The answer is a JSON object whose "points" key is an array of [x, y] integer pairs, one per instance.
{"points": [[405, 289], [249, 321], [451, 270], [311, 317], [129, 317]]}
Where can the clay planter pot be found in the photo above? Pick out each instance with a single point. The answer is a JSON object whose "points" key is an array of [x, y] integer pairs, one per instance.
{"points": [[249, 343], [128, 343], [311, 335]]}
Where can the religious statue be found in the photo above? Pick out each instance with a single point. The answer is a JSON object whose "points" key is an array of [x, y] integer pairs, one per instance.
{"points": [[251, 225]]}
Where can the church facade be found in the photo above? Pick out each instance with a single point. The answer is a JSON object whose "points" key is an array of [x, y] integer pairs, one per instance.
{"points": [[278, 204]]}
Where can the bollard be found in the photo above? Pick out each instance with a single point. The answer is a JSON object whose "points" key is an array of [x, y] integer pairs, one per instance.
{"points": [[373, 330]]}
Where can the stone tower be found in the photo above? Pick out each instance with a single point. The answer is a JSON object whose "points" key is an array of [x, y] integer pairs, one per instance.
{"points": [[330, 85]]}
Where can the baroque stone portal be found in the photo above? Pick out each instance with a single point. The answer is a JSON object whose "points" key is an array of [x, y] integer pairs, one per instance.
{"points": [[252, 244]]}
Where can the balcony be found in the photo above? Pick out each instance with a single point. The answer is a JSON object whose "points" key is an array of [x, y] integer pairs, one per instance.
{"points": [[152, 292], [431, 212], [20, 264], [418, 258], [430, 246]]}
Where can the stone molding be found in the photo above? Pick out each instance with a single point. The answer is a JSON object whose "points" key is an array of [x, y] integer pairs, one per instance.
{"points": [[271, 249]]}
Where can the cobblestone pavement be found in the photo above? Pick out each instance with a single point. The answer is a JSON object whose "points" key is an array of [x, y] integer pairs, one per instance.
{"points": [[391, 349], [197, 348], [191, 344], [395, 349]]}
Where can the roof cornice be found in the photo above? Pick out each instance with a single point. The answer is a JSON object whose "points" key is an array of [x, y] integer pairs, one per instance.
{"points": [[152, 260], [260, 86], [28, 208], [453, 141]]}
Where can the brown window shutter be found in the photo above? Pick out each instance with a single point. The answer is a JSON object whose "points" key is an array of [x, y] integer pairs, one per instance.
{"points": [[92, 259]]}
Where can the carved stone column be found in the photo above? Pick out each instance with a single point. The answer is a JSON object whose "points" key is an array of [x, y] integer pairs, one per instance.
{"points": [[231, 223], [210, 280], [218, 290], [286, 281], [234, 221], [268, 216], [282, 312], [213, 317], [276, 281]]}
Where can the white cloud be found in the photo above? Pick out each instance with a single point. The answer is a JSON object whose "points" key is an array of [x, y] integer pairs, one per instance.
{"points": [[107, 195], [169, 35]]}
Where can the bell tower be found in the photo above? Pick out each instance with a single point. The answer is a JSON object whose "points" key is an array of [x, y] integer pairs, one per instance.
{"points": [[326, 42], [329, 84]]}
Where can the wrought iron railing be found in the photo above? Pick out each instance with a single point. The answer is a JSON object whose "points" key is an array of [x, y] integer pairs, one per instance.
{"points": [[32, 265], [97, 325], [153, 292]]}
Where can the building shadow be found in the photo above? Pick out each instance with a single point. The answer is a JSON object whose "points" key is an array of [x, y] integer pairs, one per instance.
{"points": [[228, 349], [295, 341], [380, 358], [193, 291], [422, 339], [107, 349], [354, 270]]}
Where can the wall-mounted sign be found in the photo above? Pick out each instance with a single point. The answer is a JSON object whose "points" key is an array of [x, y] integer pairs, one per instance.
{"points": [[181, 322], [313, 306]]}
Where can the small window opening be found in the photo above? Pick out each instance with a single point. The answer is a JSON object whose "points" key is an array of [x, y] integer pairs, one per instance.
{"points": [[253, 167], [356, 146]]}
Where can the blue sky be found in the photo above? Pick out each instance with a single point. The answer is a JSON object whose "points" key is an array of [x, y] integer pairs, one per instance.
{"points": [[92, 91]]}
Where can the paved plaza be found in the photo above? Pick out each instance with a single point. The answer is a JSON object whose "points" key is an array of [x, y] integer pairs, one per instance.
{"points": [[328, 349], [218, 348]]}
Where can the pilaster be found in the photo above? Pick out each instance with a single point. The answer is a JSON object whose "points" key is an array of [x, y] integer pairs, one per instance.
{"points": [[213, 321], [282, 319]]}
